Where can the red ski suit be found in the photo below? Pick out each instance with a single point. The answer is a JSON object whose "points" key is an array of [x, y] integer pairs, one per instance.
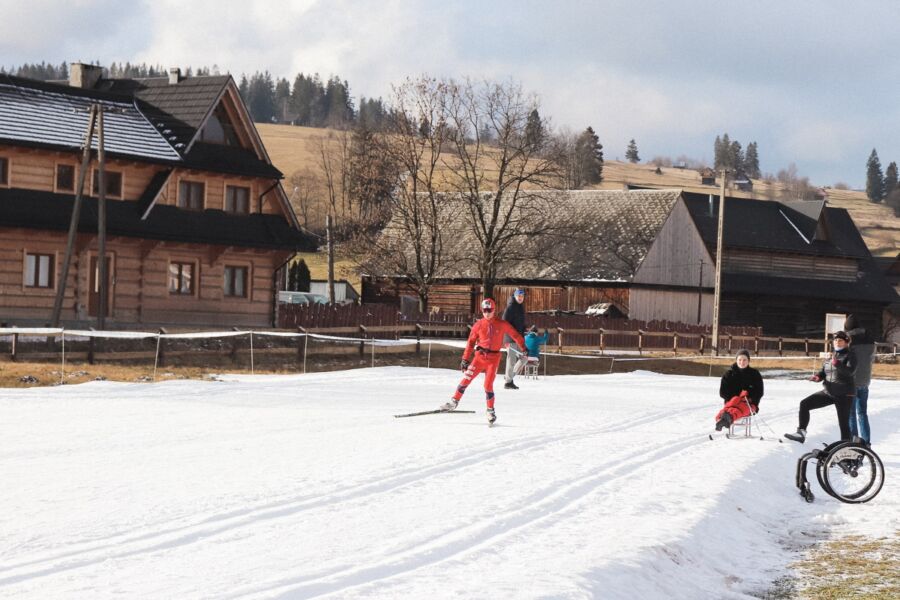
{"points": [[485, 341], [738, 407]]}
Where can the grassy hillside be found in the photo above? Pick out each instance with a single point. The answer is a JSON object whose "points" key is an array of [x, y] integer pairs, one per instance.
{"points": [[297, 149]]}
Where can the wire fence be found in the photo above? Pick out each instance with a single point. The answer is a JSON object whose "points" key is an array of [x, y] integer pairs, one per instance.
{"points": [[373, 346]]}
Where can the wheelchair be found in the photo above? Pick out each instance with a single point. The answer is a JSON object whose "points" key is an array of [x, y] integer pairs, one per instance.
{"points": [[849, 471]]}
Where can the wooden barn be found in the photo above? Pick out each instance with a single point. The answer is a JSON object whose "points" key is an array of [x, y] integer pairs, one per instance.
{"points": [[603, 235], [198, 225], [785, 265]]}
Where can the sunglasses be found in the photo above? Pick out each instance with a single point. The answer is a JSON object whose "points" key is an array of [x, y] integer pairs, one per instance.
{"points": [[487, 310]]}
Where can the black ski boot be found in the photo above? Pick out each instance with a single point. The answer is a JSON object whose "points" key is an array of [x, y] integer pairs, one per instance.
{"points": [[491, 417], [800, 436], [725, 422], [509, 385]]}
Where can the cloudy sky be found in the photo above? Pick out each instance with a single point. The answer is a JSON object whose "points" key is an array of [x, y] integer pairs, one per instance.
{"points": [[812, 82]]}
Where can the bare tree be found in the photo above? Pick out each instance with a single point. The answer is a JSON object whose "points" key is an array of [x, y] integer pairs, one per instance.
{"points": [[306, 198], [333, 155], [412, 244], [497, 167], [794, 187]]}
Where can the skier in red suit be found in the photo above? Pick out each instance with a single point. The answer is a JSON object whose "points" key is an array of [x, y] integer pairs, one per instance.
{"points": [[485, 341]]}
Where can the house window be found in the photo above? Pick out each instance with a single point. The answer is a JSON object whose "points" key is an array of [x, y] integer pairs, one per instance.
{"points": [[113, 183], [4, 171], [190, 195], [181, 278], [236, 282], [237, 199], [65, 178], [218, 129], [39, 270]]}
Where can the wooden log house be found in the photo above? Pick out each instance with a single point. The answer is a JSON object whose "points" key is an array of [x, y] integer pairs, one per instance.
{"points": [[199, 226], [786, 264], [599, 237]]}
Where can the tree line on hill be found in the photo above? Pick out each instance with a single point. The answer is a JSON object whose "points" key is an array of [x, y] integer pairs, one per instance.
{"points": [[310, 101], [882, 186]]}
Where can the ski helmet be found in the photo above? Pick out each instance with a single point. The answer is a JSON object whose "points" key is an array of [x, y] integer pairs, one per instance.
{"points": [[487, 305]]}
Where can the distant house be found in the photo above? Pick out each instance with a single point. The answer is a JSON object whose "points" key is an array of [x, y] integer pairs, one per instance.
{"points": [[786, 264], [742, 182], [198, 225], [602, 236], [890, 267], [343, 291], [707, 176]]}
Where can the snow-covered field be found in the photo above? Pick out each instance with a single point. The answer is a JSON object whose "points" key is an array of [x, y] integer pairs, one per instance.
{"points": [[306, 486]]}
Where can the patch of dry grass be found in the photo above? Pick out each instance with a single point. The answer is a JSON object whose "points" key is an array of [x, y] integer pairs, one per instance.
{"points": [[851, 568], [46, 374]]}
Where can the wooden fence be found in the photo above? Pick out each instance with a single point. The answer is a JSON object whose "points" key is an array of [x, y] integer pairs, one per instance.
{"points": [[580, 332]]}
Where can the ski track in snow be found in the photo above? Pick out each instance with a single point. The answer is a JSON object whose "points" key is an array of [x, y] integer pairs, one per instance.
{"points": [[565, 449], [212, 525]]}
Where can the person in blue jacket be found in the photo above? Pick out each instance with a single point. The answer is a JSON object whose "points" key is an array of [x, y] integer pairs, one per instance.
{"points": [[533, 342]]}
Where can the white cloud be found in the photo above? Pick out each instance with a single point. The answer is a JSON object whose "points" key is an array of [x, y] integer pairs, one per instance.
{"points": [[802, 80]]}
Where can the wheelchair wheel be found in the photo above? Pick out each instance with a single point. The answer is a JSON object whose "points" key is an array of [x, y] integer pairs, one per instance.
{"points": [[850, 472]]}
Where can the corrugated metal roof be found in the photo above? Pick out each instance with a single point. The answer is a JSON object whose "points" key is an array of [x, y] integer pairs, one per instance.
{"points": [[41, 116]]}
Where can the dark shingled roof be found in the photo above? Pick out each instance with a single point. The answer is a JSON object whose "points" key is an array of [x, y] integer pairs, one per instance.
{"points": [[181, 107], [34, 209], [769, 225], [228, 159], [152, 190], [869, 287]]}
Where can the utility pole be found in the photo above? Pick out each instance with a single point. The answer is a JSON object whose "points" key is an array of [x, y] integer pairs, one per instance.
{"points": [[700, 293], [719, 260], [330, 244], [73, 224], [103, 276]]}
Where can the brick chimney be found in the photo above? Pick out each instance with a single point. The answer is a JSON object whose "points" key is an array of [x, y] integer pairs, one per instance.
{"points": [[84, 76], [174, 75]]}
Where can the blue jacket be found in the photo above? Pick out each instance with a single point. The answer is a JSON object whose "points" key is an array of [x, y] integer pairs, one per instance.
{"points": [[533, 343]]}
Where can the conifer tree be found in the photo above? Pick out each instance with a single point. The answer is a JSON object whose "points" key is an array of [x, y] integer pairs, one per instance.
{"points": [[751, 161], [717, 153], [282, 100], [874, 178], [631, 153], [735, 156], [589, 155], [303, 276], [890, 179], [534, 129]]}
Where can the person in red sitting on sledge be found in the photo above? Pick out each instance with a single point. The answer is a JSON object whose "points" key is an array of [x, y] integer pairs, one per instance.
{"points": [[485, 341], [741, 389]]}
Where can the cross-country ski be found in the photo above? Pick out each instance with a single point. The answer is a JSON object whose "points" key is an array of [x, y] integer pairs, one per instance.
{"points": [[432, 412]]}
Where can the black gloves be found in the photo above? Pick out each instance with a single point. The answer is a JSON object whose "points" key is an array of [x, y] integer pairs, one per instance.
{"points": [[464, 364]]}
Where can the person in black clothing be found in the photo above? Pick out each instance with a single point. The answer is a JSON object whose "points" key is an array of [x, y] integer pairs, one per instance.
{"points": [[836, 375], [516, 357], [741, 388]]}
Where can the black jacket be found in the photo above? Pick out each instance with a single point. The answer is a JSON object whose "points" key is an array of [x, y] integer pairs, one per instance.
{"points": [[862, 347], [515, 315], [735, 380], [838, 379]]}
